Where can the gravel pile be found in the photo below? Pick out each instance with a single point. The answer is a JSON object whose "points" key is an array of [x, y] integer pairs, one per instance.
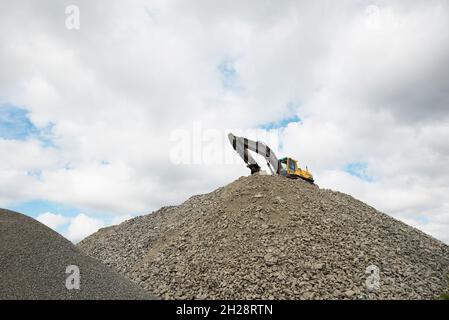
{"points": [[265, 237], [33, 262]]}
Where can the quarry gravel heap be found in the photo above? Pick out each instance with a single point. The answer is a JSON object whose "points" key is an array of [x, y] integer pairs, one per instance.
{"points": [[269, 237], [33, 262]]}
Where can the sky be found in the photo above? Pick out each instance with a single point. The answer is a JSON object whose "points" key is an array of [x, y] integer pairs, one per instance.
{"points": [[112, 109]]}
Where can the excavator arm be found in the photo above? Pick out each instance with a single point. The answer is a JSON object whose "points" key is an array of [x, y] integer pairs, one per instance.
{"points": [[242, 145]]}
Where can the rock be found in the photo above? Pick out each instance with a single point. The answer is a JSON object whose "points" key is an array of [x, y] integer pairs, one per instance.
{"points": [[308, 295], [270, 259], [279, 200], [349, 293], [318, 266]]}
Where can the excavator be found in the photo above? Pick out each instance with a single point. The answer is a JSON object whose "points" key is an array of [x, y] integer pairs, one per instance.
{"points": [[286, 167]]}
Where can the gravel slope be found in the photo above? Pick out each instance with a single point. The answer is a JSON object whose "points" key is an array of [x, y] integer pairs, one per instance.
{"points": [[265, 237], [33, 260]]}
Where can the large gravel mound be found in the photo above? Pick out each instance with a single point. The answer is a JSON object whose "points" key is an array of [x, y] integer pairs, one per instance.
{"points": [[267, 237], [33, 262]]}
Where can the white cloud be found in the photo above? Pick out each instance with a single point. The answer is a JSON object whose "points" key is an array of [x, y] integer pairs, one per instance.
{"points": [[81, 226], [119, 219], [369, 85], [52, 220], [76, 228]]}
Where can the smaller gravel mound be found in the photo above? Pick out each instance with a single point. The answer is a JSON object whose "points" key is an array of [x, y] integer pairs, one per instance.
{"points": [[33, 262]]}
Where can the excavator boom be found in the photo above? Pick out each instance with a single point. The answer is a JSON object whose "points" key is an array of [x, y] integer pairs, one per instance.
{"points": [[242, 145]]}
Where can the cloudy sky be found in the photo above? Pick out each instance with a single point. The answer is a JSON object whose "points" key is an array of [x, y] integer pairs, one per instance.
{"points": [[129, 111]]}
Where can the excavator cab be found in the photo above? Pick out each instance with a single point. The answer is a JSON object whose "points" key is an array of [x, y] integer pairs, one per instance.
{"points": [[288, 167]]}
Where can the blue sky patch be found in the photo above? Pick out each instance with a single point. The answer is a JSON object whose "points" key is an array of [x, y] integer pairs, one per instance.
{"points": [[15, 123], [359, 170], [422, 219], [228, 74], [281, 123], [36, 207], [37, 173], [45, 136]]}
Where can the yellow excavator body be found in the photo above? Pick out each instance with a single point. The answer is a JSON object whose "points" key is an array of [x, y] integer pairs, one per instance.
{"points": [[289, 168]]}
